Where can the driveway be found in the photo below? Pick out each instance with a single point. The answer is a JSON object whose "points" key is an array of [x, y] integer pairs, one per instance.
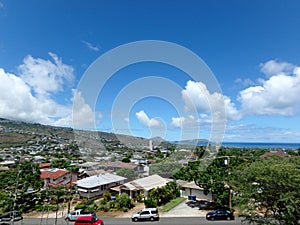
{"points": [[184, 210]]}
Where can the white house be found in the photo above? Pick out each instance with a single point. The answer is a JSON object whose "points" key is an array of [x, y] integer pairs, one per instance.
{"points": [[143, 185], [96, 185], [190, 188]]}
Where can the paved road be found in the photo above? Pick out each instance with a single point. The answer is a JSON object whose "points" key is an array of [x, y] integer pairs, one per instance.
{"points": [[127, 221], [180, 215]]}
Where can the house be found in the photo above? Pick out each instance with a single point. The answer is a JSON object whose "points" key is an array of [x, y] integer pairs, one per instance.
{"points": [[279, 153], [57, 177], [96, 185], [89, 173], [88, 166], [7, 163], [142, 185], [39, 159], [192, 189], [137, 168], [44, 166]]}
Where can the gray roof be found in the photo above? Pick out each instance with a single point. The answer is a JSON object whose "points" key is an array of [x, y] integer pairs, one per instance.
{"points": [[148, 183], [98, 180]]}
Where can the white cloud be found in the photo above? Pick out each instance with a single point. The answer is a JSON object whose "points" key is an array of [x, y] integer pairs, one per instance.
{"points": [[91, 46], [189, 121], [30, 95], [177, 121], [257, 133], [83, 115], [45, 76], [279, 95], [275, 67], [146, 121], [245, 82], [197, 97], [17, 102]]}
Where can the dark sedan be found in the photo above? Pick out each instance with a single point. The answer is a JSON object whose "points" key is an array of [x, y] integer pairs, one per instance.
{"points": [[220, 214]]}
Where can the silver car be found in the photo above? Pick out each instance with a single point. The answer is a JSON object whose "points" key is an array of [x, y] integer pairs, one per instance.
{"points": [[146, 214]]}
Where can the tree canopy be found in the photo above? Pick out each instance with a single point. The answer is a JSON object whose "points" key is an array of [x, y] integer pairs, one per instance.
{"points": [[267, 190]]}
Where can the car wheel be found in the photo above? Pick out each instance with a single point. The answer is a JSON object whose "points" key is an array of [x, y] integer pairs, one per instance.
{"points": [[135, 219], [151, 218], [212, 219], [228, 218]]}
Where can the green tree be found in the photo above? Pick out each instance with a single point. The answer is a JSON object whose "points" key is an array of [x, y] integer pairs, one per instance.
{"points": [[15, 184], [60, 163], [123, 202], [165, 168], [126, 160], [270, 187], [212, 175], [125, 172], [162, 195]]}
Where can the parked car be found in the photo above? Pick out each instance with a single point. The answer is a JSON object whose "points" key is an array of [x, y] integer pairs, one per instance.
{"points": [[203, 204], [146, 214], [12, 215], [88, 220], [220, 214], [77, 213]]}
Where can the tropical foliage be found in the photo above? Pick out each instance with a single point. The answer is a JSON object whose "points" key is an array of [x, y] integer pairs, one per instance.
{"points": [[162, 195], [267, 191], [19, 186]]}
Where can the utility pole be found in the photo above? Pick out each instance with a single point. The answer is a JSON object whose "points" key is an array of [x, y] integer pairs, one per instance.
{"points": [[227, 161]]}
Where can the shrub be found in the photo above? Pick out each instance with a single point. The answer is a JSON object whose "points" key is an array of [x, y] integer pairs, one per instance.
{"points": [[107, 196], [123, 201], [149, 203], [80, 206]]}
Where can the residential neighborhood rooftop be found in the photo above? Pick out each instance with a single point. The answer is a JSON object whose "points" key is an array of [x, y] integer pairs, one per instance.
{"points": [[99, 179]]}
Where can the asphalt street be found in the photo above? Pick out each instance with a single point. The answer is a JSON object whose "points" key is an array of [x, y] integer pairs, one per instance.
{"points": [[182, 214], [127, 221]]}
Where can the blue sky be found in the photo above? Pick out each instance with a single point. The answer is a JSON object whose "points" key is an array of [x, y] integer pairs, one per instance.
{"points": [[251, 47]]}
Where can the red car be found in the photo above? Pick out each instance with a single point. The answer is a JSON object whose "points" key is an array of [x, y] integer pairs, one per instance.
{"points": [[88, 220]]}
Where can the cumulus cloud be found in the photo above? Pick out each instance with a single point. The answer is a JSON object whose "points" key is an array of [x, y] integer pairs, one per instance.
{"points": [[17, 101], [275, 67], [197, 97], [91, 46], [279, 95], [189, 121], [83, 115], [45, 76], [146, 121], [29, 95]]}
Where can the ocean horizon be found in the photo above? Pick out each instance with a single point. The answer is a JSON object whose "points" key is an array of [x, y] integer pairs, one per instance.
{"points": [[267, 145]]}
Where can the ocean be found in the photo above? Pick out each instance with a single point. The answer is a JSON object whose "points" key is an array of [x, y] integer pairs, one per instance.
{"points": [[266, 145], [291, 146]]}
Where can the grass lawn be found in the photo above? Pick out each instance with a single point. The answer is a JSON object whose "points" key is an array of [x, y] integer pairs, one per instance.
{"points": [[171, 204]]}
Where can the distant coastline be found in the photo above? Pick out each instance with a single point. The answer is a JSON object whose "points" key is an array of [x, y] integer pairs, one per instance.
{"points": [[267, 145], [291, 146]]}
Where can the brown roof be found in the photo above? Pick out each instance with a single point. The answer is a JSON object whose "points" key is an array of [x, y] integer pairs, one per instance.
{"points": [[278, 153], [44, 165], [119, 164], [53, 174]]}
